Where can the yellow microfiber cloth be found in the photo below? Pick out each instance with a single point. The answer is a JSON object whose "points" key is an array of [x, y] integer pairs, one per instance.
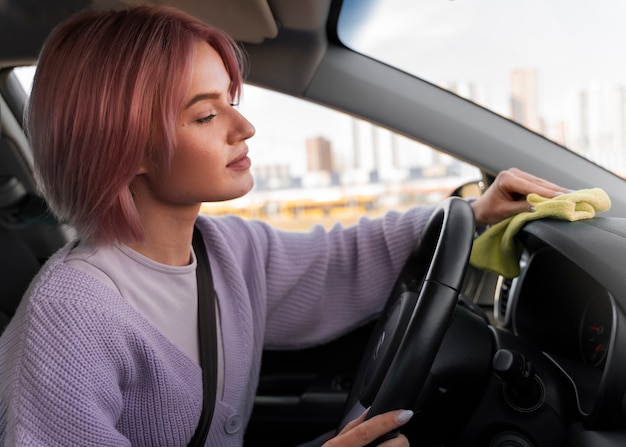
{"points": [[497, 249]]}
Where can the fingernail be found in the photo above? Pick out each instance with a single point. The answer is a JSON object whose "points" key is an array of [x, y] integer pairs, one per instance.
{"points": [[404, 417], [560, 193], [532, 209]]}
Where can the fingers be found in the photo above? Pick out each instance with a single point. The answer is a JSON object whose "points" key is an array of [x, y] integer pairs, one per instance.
{"points": [[518, 182], [360, 432], [350, 425], [398, 441], [507, 195]]}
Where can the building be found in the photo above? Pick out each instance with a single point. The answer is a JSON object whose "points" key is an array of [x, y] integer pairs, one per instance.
{"points": [[319, 155], [524, 109]]}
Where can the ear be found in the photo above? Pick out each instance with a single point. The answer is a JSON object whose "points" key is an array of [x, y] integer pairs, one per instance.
{"points": [[144, 167]]}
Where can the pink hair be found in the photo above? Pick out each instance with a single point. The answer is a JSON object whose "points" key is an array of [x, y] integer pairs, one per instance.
{"points": [[105, 96]]}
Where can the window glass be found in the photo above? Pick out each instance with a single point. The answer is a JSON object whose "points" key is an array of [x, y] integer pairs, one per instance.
{"points": [[553, 66], [25, 76]]}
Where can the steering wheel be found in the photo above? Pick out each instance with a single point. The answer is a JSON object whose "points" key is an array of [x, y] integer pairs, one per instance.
{"points": [[407, 336]]}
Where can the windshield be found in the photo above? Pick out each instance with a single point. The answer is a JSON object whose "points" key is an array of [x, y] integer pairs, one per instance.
{"points": [[554, 66]]}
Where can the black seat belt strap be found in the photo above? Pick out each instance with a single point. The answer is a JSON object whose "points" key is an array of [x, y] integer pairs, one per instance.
{"points": [[207, 335]]}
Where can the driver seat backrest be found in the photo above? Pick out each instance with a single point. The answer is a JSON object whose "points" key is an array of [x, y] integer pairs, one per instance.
{"points": [[18, 266]]}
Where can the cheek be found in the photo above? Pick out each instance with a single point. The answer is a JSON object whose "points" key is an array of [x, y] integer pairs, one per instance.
{"points": [[194, 153], [193, 173]]}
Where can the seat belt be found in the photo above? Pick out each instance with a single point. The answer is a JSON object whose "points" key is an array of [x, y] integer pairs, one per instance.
{"points": [[207, 337]]}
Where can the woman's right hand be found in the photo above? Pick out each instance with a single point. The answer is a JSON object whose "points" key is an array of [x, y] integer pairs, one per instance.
{"points": [[361, 432]]}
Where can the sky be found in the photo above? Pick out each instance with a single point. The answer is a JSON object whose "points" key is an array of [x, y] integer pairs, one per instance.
{"points": [[571, 43]]}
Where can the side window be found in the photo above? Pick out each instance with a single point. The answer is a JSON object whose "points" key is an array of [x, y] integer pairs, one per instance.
{"points": [[313, 165]]}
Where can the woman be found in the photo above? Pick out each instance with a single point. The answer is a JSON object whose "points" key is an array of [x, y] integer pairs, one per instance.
{"points": [[132, 126]]}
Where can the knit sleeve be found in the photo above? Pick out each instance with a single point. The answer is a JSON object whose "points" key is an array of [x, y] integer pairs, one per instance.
{"points": [[61, 386], [324, 283]]}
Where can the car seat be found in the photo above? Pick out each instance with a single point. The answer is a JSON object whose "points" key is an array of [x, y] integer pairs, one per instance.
{"points": [[18, 263], [18, 266]]}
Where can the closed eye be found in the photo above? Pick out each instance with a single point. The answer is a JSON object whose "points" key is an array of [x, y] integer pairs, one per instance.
{"points": [[205, 119]]}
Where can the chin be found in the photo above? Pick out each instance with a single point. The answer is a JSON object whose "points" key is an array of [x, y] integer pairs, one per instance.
{"points": [[248, 187], [239, 191]]}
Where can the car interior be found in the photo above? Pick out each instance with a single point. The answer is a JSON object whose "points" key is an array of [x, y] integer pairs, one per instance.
{"points": [[535, 360]]}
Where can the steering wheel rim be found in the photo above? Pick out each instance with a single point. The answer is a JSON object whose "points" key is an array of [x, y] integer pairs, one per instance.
{"points": [[407, 336]]}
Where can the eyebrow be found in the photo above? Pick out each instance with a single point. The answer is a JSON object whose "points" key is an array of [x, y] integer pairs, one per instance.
{"points": [[202, 97]]}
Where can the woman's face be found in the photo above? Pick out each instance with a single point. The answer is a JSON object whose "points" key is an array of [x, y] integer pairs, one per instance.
{"points": [[210, 161]]}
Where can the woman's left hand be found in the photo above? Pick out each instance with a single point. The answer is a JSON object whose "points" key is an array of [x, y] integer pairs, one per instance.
{"points": [[507, 195]]}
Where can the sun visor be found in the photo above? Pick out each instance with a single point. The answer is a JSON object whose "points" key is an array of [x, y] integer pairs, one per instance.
{"points": [[249, 21]]}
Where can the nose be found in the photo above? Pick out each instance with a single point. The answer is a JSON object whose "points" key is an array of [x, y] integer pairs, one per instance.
{"points": [[242, 129]]}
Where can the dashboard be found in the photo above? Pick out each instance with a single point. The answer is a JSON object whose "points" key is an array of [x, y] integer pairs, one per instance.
{"points": [[563, 311], [568, 302]]}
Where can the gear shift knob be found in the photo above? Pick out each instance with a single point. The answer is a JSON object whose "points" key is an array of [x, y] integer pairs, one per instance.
{"points": [[522, 389]]}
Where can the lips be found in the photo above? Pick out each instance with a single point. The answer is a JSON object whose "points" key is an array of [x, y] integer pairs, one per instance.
{"points": [[242, 162]]}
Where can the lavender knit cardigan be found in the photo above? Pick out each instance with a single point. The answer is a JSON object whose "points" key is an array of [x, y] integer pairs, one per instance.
{"points": [[80, 367]]}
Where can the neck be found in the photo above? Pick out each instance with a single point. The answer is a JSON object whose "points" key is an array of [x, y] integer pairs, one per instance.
{"points": [[168, 225], [168, 234]]}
